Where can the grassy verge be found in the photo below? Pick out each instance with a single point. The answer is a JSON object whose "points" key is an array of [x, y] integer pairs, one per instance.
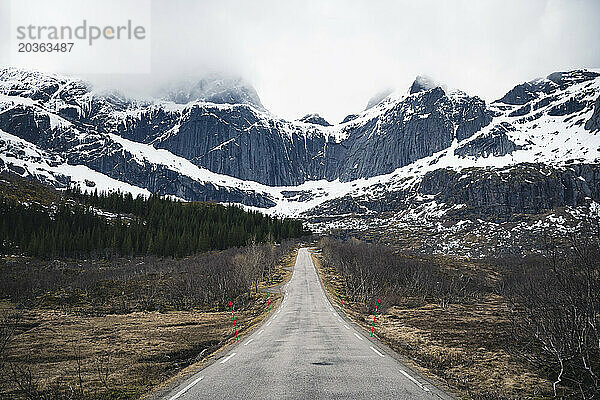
{"points": [[468, 346]]}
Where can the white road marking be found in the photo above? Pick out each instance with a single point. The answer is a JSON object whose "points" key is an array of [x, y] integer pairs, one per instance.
{"points": [[248, 342], [269, 323], [376, 351], [228, 357], [261, 331], [346, 326], [413, 380], [185, 389], [357, 335]]}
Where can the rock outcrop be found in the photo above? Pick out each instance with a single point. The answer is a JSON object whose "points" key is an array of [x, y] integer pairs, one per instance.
{"points": [[593, 124], [315, 119], [500, 194], [495, 143]]}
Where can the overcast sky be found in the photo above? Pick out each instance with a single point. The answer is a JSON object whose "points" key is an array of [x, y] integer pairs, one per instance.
{"points": [[330, 57]]}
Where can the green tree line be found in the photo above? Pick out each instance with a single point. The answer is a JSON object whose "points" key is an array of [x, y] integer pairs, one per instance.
{"points": [[118, 223]]}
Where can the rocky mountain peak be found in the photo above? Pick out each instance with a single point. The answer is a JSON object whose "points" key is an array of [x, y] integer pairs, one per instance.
{"points": [[527, 91], [564, 79], [314, 119], [422, 83], [349, 117], [214, 89]]}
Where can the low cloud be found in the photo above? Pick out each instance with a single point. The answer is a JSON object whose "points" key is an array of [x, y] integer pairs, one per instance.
{"points": [[331, 57]]}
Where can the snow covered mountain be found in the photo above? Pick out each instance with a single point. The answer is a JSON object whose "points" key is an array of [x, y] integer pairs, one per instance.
{"points": [[536, 148]]}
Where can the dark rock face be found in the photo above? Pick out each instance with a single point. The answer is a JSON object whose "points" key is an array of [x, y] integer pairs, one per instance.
{"points": [[238, 140], [417, 127], [519, 112], [569, 107], [525, 188], [349, 118], [565, 79], [314, 119], [25, 124], [593, 124], [483, 193], [470, 115], [100, 153], [495, 143], [525, 92]]}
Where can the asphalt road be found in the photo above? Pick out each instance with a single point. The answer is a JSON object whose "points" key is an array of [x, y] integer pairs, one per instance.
{"points": [[305, 350]]}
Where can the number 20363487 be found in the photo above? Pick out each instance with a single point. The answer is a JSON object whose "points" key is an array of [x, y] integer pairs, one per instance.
{"points": [[35, 47]]}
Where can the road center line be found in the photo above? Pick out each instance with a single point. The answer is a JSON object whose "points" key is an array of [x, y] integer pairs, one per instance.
{"points": [[357, 335], [376, 351], [346, 326], [248, 342], [185, 389], [228, 357], [261, 331]]}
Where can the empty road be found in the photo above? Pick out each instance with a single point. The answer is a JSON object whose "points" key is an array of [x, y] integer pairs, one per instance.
{"points": [[305, 350]]}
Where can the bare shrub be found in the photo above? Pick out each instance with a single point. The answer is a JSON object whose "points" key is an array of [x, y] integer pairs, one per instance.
{"points": [[555, 303], [372, 271]]}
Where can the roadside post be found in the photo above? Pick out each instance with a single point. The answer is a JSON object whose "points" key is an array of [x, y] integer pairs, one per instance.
{"points": [[233, 316], [373, 328]]}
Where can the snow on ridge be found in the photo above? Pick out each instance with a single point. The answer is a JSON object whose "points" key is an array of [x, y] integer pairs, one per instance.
{"points": [[45, 166]]}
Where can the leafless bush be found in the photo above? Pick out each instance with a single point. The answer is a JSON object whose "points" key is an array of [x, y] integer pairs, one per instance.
{"points": [[555, 302], [370, 271], [207, 280], [104, 368]]}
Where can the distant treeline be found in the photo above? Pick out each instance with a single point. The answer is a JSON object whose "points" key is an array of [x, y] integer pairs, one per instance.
{"points": [[117, 223]]}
